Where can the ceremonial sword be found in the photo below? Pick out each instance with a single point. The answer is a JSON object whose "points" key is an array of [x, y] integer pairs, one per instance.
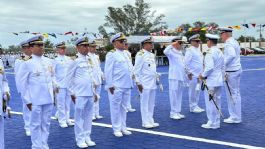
{"points": [[211, 97], [230, 94]]}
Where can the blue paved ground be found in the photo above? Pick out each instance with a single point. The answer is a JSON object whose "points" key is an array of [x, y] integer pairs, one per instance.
{"points": [[250, 132]]}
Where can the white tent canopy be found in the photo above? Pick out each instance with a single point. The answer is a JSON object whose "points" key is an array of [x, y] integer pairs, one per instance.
{"points": [[157, 39]]}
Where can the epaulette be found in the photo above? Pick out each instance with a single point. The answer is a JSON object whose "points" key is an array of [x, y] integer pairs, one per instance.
{"points": [[74, 57], [113, 50], [23, 58], [140, 53]]}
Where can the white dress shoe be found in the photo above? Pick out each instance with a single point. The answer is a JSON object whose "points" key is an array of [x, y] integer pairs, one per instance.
{"points": [[210, 125], [175, 117], [82, 145], [155, 124], [70, 123], [126, 132], [231, 121], [56, 116], [117, 134], [206, 126], [181, 116], [200, 109], [99, 117], [131, 110], [148, 126], [197, 110], [93, 118], [63, 125], [89, 142], [28, 133]]}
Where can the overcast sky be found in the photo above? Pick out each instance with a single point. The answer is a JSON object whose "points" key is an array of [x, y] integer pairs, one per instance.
{"points": [[74, 15]]}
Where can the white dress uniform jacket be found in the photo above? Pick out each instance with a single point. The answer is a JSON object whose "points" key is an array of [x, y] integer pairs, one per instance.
{"points": [[117, 71], [232, 55], [145, 69], [193, 61], [37, 81], [176, 64], [79, 77], [60, 66], [214, 67]]}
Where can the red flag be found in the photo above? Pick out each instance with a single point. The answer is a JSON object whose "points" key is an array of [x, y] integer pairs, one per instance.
{"points": [[67, 33], [196, 29], [153, 34], [253, 24], [210, 28], [34, 33]]}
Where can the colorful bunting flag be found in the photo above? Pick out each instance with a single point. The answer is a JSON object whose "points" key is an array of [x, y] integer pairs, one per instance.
{"points": [[34, 33], [45, 35], [245, 25], [237, 27], [52, 34], [67, 33], [203, 29], [253, 24]]}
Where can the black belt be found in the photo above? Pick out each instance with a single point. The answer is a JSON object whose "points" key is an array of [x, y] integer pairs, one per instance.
{"points": [[232, 71]]}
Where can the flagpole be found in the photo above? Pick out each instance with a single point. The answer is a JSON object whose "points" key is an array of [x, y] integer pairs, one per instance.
{"points": [[245, 37], [260, 35]]}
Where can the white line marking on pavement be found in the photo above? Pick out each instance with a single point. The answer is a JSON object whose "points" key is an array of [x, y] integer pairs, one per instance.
{"points": [[197, 139], [256, 69]]}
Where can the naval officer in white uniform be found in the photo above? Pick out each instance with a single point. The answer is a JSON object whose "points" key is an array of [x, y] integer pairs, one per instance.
{"points": [[37, 88], [233, 72], [118, 84]]}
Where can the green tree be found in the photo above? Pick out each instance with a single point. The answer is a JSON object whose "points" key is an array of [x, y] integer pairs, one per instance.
{"points": [[197, 29], [48, 46], [136, 20], [248, 39]]}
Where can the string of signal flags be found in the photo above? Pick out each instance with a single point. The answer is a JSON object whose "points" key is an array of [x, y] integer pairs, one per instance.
{"points": [[159, 33], [198, 29], [55, 35]]}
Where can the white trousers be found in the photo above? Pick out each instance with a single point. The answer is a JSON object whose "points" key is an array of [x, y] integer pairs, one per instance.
{"points": [[194, 93], [26, 116], [234, 85], [175, 95], [63, 98], [118, 110], [2, 140], [128, 100], [39, 125], [96, 104], [211, 111], [83, 118], [147, 106]]}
